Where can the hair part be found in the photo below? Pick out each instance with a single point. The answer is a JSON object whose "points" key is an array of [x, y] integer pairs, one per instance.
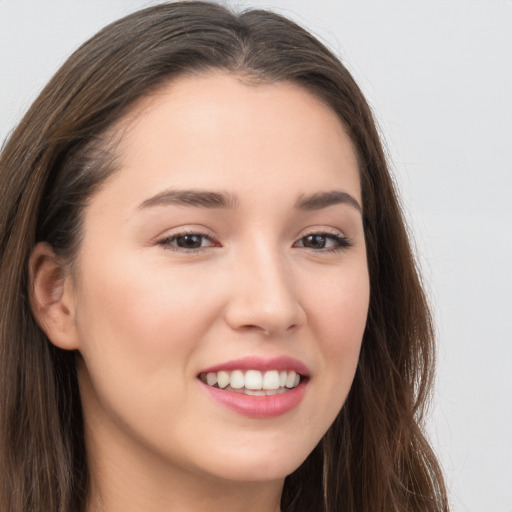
{"points": [[374, 456]]}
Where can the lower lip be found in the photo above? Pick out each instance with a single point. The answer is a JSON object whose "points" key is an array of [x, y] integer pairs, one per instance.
{"points": [[258, 406]]}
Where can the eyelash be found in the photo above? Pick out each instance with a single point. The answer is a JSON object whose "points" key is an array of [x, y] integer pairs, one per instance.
{"points": [[341, 242], [166, 242]]}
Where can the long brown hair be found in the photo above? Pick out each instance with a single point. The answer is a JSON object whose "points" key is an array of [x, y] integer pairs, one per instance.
{"points": [[374, 457]]}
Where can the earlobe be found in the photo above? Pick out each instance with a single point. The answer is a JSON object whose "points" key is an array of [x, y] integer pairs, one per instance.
{"points": [[51, 297]]}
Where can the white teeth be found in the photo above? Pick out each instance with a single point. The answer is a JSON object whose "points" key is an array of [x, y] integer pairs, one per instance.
{"points": [[271, 380], [254, 382], [253, 379], [237, 380], [222, 379], [290, 379]]}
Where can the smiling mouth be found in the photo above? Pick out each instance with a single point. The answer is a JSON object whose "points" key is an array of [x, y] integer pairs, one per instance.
{"points": [[253, 382]]}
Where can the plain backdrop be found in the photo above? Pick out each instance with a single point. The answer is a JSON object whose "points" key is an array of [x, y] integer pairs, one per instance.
{"points": [[438, 74]]}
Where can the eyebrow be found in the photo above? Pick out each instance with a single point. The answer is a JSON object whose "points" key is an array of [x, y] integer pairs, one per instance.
{"points": [[197, 198], [225, 200], [325, 199]]}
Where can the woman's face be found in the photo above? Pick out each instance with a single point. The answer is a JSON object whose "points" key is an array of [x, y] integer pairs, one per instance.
{"points": [[229, 246]]}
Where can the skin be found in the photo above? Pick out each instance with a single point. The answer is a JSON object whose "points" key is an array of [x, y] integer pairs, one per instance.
{"points": [[147, 316]]}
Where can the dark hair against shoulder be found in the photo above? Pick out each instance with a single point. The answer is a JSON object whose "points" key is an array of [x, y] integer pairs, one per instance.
{"points": [[374, 456]]}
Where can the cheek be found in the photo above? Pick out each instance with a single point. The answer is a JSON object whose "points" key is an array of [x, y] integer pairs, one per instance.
{"points": [[148, 310], [338, 307], [138, 331], [338, 318]]}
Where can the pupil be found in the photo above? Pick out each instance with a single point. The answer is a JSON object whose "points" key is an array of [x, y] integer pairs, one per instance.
{"points": [[315, 241], [189, 241]]}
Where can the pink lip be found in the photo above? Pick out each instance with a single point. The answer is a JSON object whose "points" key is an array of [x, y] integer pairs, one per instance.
{"points": [[259, 406], [261, 364]]}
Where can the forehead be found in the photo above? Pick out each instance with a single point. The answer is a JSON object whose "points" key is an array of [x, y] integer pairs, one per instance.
{"points": [[216, 129]]}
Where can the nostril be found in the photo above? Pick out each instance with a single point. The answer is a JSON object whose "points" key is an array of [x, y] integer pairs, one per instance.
{"points": [[266, 331], [256, 329]]}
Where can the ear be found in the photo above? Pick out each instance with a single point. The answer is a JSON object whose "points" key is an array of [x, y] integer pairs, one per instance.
{"points": [[52, 297]]}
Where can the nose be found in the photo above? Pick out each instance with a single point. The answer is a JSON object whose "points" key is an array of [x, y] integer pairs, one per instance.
{"points": [[264, 297]]}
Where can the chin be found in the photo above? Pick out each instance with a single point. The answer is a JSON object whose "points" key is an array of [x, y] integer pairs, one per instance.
{"points": [[259, 471], [256, 463]]}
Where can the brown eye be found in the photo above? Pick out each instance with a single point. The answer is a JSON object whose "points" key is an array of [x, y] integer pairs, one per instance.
{"points": [[189, 241], [324, 242], [315, 241]]}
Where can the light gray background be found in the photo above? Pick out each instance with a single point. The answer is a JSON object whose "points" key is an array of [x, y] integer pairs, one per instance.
{"points": [[438, 74]]}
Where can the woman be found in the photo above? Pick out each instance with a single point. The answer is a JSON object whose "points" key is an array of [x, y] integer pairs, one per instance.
{"points": [[208, 297]]}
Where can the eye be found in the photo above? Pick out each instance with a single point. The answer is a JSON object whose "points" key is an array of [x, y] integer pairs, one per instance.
{"points": [[324, 242], [187, 242]]}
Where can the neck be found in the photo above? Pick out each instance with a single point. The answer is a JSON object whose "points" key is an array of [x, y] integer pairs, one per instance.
{"points": [[131, 482], [142, 498]]}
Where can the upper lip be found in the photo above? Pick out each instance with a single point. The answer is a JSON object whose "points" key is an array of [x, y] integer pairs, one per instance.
{"points": [[261, 364]]}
